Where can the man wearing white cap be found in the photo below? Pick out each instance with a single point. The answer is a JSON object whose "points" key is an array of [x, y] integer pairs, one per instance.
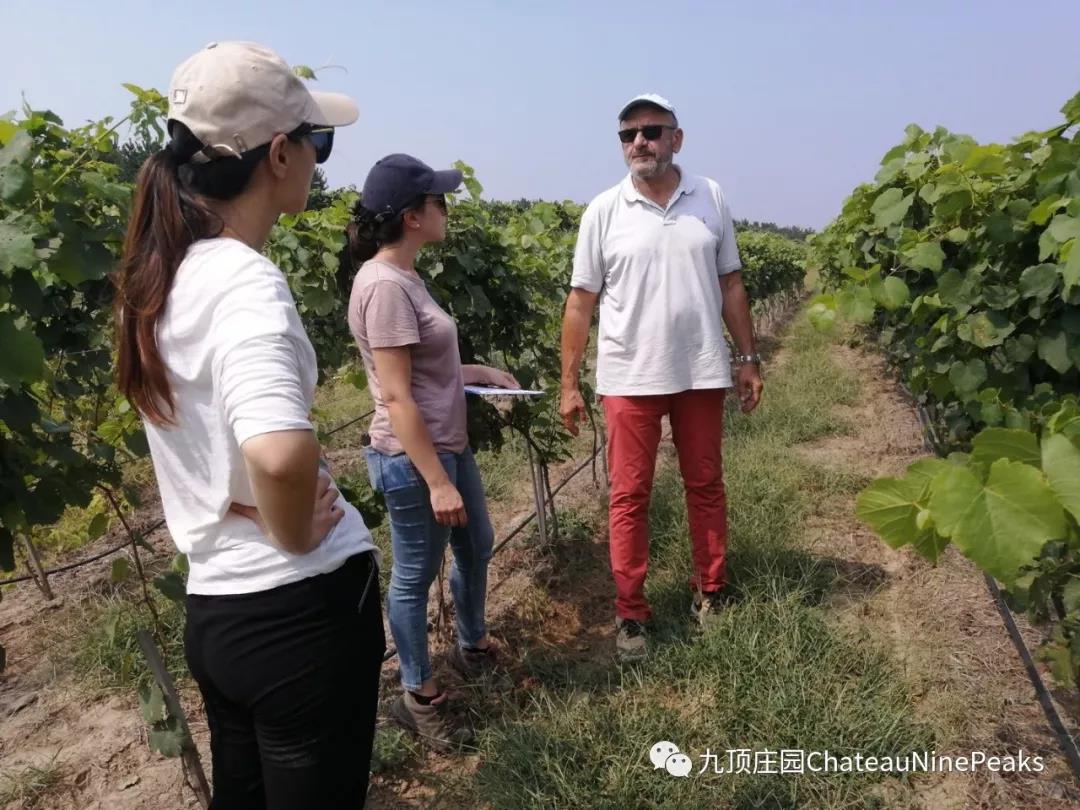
{"points": [[658, 252]]}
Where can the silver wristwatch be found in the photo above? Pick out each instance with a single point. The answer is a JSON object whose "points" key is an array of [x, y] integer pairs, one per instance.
{"points": [[747, 359]]}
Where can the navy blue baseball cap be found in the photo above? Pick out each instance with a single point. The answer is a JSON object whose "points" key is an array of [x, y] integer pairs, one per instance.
{"points": [[397, 180]]}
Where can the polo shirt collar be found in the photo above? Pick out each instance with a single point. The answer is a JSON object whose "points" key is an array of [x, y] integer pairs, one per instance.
{"points": [[687, 185]]}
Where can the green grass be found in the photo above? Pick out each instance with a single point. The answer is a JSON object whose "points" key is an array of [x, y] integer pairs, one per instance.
{"points": [[100, 649], [29, 785], [772, 673], [337, 401], [504, 471]]}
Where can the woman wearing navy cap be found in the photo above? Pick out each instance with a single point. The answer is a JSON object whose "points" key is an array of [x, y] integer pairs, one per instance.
{"points": [[419, 457]]}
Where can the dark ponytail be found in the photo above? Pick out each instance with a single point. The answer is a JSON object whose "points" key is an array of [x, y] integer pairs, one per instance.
{"points": [[366, 233], [167, 217]]}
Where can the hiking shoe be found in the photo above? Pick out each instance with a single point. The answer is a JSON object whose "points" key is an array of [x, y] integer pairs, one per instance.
{"points": [[472, 663], [432, 722], [630, 641], [706, 607]]}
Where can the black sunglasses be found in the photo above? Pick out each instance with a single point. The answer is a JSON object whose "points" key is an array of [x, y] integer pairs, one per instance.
{"points": [[650, 131], [322, 138], [323, 141], [439, 200]]}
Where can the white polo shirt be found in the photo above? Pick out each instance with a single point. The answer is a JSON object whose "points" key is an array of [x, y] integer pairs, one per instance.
{"points": [[658, 274]]}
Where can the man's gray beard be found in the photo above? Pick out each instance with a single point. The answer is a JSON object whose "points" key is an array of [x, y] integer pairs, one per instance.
{"points": [[659, 167]]}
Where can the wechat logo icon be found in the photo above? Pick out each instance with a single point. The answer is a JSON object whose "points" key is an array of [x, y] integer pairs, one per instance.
{"points": [[667, 755]]}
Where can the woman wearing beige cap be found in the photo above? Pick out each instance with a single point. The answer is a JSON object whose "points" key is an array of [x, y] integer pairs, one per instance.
{"points": [[284, 629]]}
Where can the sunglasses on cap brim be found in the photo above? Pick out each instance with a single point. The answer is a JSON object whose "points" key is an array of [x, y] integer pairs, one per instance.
{"points": [[650, 131]]}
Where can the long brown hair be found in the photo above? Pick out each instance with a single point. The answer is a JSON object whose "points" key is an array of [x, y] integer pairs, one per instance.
{"points": [[167, 217]]}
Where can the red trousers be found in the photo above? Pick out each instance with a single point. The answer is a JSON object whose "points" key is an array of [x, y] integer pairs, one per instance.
{"points": [[633, 429]]}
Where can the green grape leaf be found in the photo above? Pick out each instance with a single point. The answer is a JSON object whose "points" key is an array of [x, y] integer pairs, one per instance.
{"points": [[856, 304], [1071, 110], [1000, 297], [16, 248], [1064, 227], [890, 207], [16, 179], [891, 506], [1066, 420], [171, 585], [23, 356], [1054, 349], [167, 738], [967, 377], [1041, 213], [1039, 281], [822, 315], [930, 545], [1070, 273], [1020, 348], [1015, 445], [927, 255], [99, 524], [988, 329], [1061, 464], [892, 293], [120, 570], [16, 184], [1001, 525], [152, 704]]}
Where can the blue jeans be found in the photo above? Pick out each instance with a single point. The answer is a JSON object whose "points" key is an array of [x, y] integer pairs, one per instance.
{"points": [[418, 545]]}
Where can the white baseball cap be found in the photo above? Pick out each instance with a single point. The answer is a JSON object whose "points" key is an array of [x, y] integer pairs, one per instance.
{"points": [[647, 98], [235, 96]]}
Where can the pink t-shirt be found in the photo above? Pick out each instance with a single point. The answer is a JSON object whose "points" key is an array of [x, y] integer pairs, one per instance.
{"points": [[389, 308]]}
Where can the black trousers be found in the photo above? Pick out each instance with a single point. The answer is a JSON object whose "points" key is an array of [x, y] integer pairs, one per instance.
{"points": [[290, 679]]}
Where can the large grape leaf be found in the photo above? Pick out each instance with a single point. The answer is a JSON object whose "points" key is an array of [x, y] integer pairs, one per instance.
{"points": [[1038, 281], [16, 180], [891, 292], [891, 507], [890, 207], [1070, 272], [23, 356], [1061, 464], [1064, 227], [1054, 349], [1071, 110], [967, 377], [16, 247], [986, 329], [1066, 420], [926, 255], [1001, 525], [1015, 445], [856, 304]]}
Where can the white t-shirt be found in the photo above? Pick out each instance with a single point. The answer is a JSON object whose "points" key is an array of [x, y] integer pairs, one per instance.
{"points": [[657, 271], [240, 364]]}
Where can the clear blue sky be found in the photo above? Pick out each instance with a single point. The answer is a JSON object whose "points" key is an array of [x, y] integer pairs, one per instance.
{"points": [[787, 104]]}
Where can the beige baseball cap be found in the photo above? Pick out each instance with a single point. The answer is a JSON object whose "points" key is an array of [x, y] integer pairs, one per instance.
{"points": [[235, 96]]}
